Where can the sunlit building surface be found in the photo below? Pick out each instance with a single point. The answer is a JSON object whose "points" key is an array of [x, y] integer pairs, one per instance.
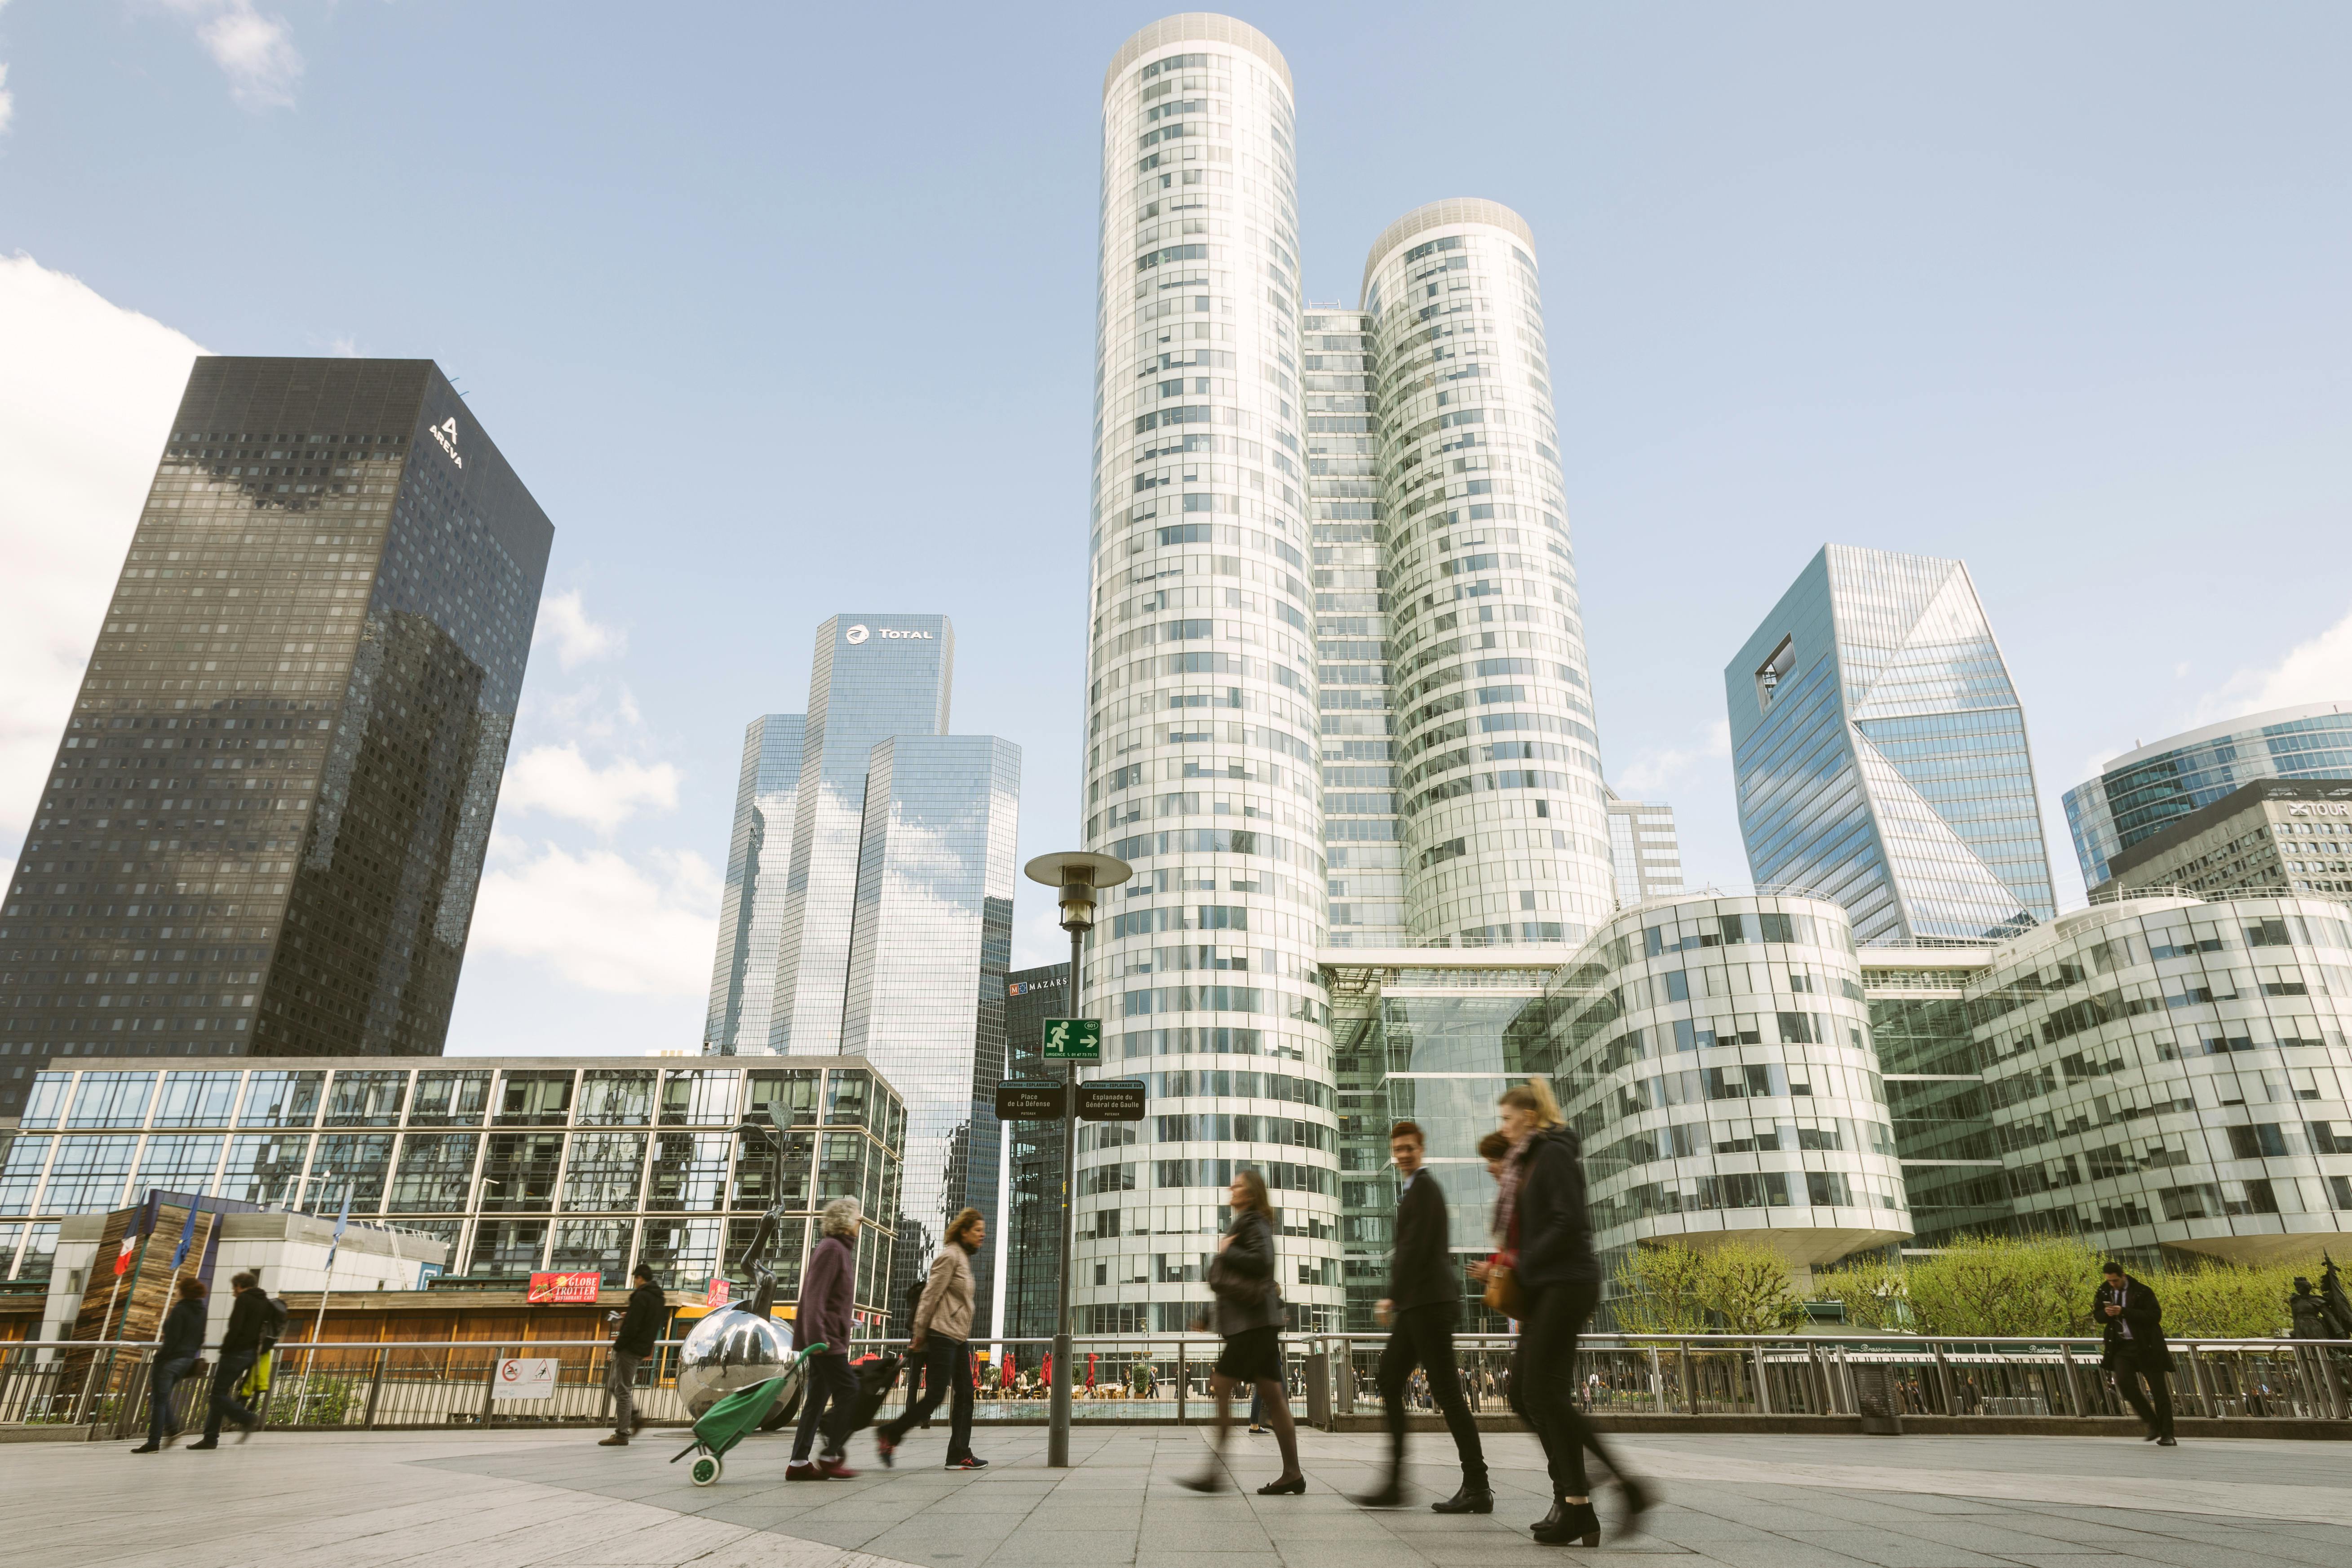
{"points": [[265, 826], [759, 865], [1644, 851], [1881, 754]]}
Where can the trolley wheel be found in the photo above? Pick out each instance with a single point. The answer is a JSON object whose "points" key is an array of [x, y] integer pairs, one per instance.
{"points": [[706, 1469]]}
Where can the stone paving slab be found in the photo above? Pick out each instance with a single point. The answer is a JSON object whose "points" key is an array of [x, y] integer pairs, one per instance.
{"points": [[516, 1500]]}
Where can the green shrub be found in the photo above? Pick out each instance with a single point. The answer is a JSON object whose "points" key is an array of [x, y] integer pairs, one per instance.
{"points": [[1734, 1287], [1876, 1295], [2005, 1287]]}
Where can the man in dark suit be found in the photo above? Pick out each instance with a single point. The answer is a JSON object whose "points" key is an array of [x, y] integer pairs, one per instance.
{"points": [[1424, 1301], [2135, 1348]]}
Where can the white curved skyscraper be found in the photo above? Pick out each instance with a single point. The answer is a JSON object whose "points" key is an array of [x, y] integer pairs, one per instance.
{"points": [[1204, 757], [1500, 799]]}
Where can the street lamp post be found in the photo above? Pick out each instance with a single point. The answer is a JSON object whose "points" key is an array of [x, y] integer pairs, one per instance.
{"points": [[1076, 876]]}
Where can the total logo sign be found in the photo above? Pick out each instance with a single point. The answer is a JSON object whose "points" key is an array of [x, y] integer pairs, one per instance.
{"points": [[860, 633], [447, 433]]}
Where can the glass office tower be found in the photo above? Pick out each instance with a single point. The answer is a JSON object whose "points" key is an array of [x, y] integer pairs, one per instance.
{"points": [[1499, 779], [1203, 745], [266, 824], [1351, 629], [1027, 1242], [2146, 791], [930, 943], [1643, 849], [759, 862], [1881, 753]]}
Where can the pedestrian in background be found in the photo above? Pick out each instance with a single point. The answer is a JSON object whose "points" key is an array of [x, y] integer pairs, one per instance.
{"points": [[830, 1401], [1249, 1316], [2135, 1348], [175, 1358], [1548, 1267], [641, 1325], [249, 1320], [1424, 1302], [941, 1335]]}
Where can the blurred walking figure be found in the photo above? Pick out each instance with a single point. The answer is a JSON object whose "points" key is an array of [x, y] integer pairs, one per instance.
{"points": [[1548, 1279], [632, 1342], [1424, 1303], [942, 1322], [249, 1322], [830, 1398], [1249, 1315], [175, 1358], [2135, 1348]]}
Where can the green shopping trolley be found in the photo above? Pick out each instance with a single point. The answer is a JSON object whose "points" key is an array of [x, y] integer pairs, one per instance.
{"points": [[736, 1416]]}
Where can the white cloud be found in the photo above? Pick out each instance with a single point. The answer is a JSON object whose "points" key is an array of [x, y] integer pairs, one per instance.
{"points": [[257, 53], [564, 619], [7, 98], [2319, 670], [559, 781], [642, 927], [1658, 768], [85, 403]]}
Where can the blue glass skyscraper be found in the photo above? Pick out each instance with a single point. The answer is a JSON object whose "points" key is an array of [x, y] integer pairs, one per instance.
{"points": [[885, 920], [759, 864], [1881, 754], [2146, 791]]}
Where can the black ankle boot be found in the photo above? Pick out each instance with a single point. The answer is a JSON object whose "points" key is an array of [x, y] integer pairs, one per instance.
{"points": [[1474, 1498], [1552, 1519], [1578, 1526], [1388, 1494]]}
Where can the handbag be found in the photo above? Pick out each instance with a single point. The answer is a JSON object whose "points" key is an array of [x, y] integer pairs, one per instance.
{"points": [[1503, 1291]]}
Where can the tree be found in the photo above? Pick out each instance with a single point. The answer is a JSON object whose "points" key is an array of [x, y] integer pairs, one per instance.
{"points": [[1661, 1290], [1877, 1296], [1732, 1287], [1749, 1288], [2005, 1287]]}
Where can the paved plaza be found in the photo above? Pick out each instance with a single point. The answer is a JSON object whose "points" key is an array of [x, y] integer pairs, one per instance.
{"points": [[507, 1499]]}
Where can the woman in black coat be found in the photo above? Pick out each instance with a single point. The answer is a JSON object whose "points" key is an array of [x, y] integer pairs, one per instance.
{"points": [[1547, 1246], [1250, 1315]]}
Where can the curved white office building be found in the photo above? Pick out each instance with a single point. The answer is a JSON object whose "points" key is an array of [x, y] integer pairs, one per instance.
{"points": [[1497, 765], [1715, 1055], [1202, 751]]}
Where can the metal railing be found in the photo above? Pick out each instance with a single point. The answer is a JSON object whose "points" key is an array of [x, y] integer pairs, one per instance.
{"points": [[1147, 1378]]}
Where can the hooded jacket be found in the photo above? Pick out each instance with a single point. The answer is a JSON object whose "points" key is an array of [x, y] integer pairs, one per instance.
{"points": [[1555, 1233]]}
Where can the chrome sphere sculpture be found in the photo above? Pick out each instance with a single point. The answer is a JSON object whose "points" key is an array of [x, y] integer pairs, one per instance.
{"points": [[731, 1349]]}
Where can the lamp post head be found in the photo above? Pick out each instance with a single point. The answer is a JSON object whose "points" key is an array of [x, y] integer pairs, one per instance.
{"points": [[1076, 876]]}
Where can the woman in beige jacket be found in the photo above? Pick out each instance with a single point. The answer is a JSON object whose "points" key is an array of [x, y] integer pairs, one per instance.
{"points": [[943, 1333]]}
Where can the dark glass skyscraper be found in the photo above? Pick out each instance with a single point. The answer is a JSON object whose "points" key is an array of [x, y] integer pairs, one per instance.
{"points": [[266, 824], [1033, 1158], [1880, 751]]}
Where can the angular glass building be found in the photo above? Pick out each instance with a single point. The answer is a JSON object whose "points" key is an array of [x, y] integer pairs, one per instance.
{"points": [[1027, 1244], [759, 864], [1881, 753], [2150, 789], [264, 827], [1643, 849]]}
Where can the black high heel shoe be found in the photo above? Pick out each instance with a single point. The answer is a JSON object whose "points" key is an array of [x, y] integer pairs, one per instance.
{"points": [[1295, 1487], [1212, 1480], [1637, 1501]]}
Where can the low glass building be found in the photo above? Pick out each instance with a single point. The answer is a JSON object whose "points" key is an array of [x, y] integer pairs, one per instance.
{"points": [[518, 1163]]}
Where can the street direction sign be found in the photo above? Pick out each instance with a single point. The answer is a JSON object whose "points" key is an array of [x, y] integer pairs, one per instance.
{"points": [[1111, 1100], [1072, 1039], [1030, 1099]]}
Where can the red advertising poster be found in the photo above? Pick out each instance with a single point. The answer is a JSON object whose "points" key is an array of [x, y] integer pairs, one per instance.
{"points": [[569, 1289], [717, 1293]]}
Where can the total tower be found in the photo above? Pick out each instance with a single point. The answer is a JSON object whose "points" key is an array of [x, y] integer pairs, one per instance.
{"points": [[1337, 673]]}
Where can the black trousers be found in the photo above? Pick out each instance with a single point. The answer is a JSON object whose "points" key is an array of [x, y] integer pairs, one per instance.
{"points": [[2129, 1372], [1544, 1385], [227, 1376], [829, 1402], [1423, 1337], [946, 1370]]}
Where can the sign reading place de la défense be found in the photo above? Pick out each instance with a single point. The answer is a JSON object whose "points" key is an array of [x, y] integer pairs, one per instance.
{"points": [[1073, 1040], [1031, 1100]]}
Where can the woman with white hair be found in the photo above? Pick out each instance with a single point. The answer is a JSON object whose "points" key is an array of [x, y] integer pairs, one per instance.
{"points": [[823, 1318]]}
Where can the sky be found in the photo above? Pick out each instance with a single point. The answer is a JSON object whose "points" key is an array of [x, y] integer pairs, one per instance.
{"points": [[783, 310]]}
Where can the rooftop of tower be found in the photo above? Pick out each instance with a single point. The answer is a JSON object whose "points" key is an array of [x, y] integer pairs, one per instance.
{"points": [[1208, 26], [1444, 215]]}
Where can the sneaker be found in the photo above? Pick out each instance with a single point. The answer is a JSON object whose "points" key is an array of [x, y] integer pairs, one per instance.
{"points": [[204, 1443], [969, 1462], [617, 1440], [802, 1470]]}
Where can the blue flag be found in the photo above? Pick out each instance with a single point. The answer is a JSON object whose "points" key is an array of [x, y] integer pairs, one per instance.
{"points": [[341, 1220], [187, 1239]]}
